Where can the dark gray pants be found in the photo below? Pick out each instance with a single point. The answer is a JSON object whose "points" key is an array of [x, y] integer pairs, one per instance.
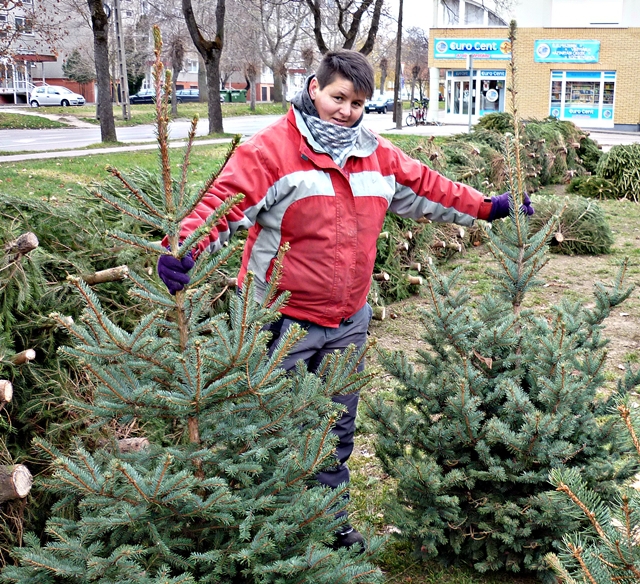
{"points": [[319, 342]]}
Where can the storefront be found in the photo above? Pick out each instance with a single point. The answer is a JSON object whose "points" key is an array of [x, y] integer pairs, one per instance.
{"points": [[489, 83], [588, 76]]}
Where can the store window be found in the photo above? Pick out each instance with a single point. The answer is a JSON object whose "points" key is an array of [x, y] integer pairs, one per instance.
{"points": [[584, 97], [488, 92]]}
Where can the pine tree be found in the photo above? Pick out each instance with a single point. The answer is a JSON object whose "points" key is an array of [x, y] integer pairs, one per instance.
{"points": [[499, 396], [204, 453], [606, 548]]}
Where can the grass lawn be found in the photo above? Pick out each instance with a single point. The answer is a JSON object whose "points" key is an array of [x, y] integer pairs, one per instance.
{"points": [[67, 178], [63, 178], [145, 113], [9, 121]]}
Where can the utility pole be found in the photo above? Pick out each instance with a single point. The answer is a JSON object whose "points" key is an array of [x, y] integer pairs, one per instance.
{"points": [[397, 95], [122, 61], [471, 100]]}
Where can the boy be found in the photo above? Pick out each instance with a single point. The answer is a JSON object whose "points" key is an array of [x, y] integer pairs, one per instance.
{"points": [[320, 181]]}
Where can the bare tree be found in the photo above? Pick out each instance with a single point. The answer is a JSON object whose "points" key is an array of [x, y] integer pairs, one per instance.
{"points": [[415, 53], [384, 71], [280, 24], [100, 28], [210, 49], [176, 47], [252, 74], [350, 17], [308, 56]]}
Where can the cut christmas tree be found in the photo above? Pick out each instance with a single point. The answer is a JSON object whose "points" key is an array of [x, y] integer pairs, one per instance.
{"points": [[202, 463], [498, 397]]}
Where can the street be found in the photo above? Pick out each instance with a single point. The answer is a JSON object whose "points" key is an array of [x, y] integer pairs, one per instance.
{"points": [[73, 138]]}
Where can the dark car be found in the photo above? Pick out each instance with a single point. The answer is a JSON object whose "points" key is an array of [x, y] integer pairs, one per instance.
{"points": [[184, 95], [380, 104], [143, 96]]}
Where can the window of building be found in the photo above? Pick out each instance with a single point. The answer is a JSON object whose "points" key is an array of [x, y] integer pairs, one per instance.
{"points": [[128, 13], [585, 97], [474, 14], [450, 12], [4, 26], [495, 20], [23, 25], [191, 66]]}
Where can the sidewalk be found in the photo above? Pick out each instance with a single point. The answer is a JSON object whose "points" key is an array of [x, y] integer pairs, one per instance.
{"points": [[90, 151]]}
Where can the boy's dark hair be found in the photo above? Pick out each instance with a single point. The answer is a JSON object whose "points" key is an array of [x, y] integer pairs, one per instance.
{"points": [[351, 65]]}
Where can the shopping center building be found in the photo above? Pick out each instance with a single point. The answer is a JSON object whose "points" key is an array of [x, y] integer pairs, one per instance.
{"points": [[588, 73]]}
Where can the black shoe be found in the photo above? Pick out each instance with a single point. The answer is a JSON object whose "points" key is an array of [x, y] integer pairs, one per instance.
{"points": [[349, 537]]}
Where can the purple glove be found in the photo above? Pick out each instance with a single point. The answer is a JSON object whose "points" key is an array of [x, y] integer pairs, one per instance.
{"points": [[500, 206], [175, 273]]}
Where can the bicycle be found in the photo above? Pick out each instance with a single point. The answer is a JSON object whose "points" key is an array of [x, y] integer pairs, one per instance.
{"points": [[418, 114]]}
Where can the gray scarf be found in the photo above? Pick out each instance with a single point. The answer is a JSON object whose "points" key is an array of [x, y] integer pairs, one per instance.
{"points": [[337, 141]]}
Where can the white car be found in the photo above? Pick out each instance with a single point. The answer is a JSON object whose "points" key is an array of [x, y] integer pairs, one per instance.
{"points": [[54, 95]]}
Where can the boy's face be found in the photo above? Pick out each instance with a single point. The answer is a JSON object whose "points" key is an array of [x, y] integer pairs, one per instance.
{"points": [[337, 102]]}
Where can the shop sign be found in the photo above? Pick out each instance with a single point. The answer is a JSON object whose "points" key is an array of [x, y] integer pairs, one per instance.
{"points": [[582, 112], [477, 48], [569, 51]]}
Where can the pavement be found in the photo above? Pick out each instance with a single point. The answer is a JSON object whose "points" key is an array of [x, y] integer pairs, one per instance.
{"points": [[144, 138]]}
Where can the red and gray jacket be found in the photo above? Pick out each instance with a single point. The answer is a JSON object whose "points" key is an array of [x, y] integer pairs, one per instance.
{"points": [[330, 216]]}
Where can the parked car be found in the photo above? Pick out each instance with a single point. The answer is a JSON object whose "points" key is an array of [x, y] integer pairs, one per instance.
{"points": [[183, 95], [54, 95], [380, 104], [143, 96]]}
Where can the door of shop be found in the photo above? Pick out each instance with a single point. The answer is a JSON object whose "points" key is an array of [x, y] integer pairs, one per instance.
{"points": [[457, 96], [488, 94]]}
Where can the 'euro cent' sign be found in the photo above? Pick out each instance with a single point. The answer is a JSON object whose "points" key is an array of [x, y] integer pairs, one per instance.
{"points": [[478, 48]]}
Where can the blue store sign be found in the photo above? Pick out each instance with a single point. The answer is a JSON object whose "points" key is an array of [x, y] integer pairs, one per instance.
{"points": [[478, 48], [570, 51]]}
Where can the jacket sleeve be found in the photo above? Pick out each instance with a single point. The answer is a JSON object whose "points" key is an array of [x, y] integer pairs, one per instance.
{"points": [[423, 192], [246, 173]]}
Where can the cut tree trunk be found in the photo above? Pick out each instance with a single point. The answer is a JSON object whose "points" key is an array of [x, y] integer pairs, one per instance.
{"points": [[23, 357], [133, 444], [15, 482], [23, 244], [110, 275], [6, 391]]}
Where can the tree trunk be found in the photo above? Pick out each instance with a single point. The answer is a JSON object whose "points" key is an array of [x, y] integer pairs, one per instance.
{"points": [[254, 83], [210, 52], [202, 81], [15, 482], [277, 88], [174, 99], [285, 106], [212, 66], [100, 27]]}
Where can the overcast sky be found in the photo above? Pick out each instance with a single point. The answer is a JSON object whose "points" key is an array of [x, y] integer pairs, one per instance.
{"points": [[416, 13]]}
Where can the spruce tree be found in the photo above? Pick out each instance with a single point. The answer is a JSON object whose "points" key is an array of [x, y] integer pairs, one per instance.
{"points": [[606, 547], [498, 397], [202, 463]]}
